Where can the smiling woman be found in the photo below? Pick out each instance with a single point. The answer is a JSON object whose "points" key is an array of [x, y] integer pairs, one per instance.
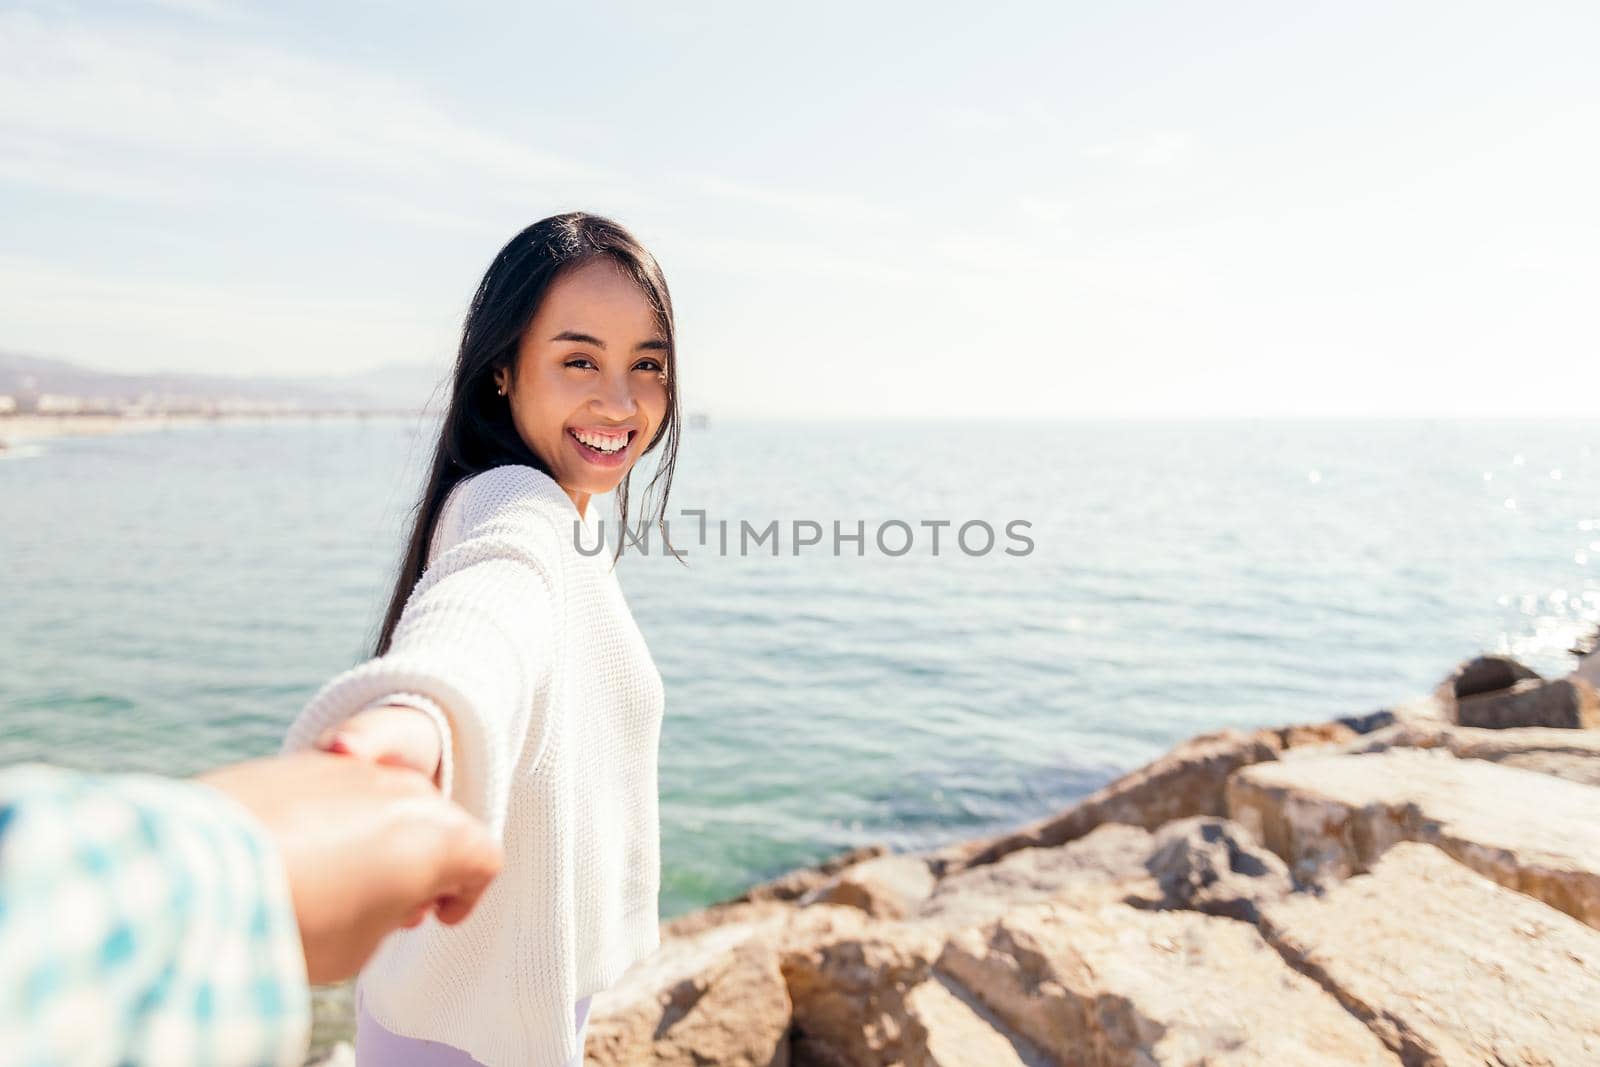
{"points": [[588, 386], [509, 670]]}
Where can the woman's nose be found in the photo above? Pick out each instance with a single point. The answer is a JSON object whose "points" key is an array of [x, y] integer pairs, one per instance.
{"points": [[616, 399]]}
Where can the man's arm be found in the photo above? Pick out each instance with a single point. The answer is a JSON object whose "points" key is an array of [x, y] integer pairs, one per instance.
{"points": [[146, 920], [142, 920]]}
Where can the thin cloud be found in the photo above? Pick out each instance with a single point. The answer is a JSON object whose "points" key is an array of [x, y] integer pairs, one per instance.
{"points": [[171, 101], [1026, 116], [795, 201], [1153, 150], [407, 212], [212, 10], [1044, 210], [781, 259]]}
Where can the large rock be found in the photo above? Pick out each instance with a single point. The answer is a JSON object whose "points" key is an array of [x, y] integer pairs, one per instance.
{"points": [[1203, 863], [1568, 703], [767, 901], [1570, 754], [885, 887], [1406, 734], [1333, 816], [1118, 987], [1446, 966], [1102, 867], [796, 883], [961, 1032], [1422, 709], [717, 997], [1212, 865], [1186, 781], [1482, 674], [933, 1023], [850, 995], [1587, 649], [735, 911]]}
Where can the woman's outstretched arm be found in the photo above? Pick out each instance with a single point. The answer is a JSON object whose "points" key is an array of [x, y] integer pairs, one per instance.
{"points": [[474, 645]]}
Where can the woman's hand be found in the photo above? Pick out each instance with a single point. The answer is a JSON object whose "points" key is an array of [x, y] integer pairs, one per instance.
{"points": [[392, 735], [389, 734]]}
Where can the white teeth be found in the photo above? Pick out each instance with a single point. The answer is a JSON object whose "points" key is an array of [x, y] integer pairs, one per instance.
{"points": [[599, 443]]}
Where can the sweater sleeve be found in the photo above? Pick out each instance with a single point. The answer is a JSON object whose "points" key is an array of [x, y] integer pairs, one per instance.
{"points": [[474, 645]]}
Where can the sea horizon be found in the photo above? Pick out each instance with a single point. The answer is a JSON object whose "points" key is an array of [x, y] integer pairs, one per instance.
{"points": [[176, 597]]}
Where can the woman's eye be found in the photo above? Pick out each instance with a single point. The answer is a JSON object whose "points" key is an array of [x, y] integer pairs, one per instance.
{"points": [[651, 365]]}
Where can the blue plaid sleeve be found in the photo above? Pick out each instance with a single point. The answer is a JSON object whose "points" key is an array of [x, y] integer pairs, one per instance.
{"points": [[143, 920]]}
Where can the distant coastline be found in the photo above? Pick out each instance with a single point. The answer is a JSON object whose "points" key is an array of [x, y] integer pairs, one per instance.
{"points": [[34, 427]]}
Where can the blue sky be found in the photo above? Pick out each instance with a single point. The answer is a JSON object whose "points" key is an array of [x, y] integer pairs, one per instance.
{"points": [[864, 210]]}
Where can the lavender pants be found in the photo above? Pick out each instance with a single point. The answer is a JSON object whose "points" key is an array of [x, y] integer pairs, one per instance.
{"points": [[377, 1047]]}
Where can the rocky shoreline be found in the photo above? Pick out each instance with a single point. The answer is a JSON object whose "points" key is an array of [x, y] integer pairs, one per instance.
{"points": [[1418, 885]]}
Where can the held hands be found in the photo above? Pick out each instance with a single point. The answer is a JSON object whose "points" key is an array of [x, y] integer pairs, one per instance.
{"points": [[392, 735], [366, 849]]}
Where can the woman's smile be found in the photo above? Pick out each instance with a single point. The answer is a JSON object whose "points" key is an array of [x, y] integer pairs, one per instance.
{"points": [[603, 448]]}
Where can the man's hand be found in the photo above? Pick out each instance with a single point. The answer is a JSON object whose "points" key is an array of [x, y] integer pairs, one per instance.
{"points": [[367, 848], [391, 734]]}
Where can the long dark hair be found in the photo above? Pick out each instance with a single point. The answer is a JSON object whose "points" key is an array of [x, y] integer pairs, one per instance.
{"points": [[477, 433]]}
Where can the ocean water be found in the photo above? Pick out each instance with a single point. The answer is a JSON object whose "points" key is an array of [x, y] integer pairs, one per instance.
{"points": [[171, 598]]}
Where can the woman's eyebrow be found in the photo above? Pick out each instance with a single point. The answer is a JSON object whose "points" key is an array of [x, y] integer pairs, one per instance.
{"points": [[655, 345]]}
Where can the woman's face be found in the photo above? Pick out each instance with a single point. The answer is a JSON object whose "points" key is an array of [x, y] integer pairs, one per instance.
{"points": [[589, 365]]}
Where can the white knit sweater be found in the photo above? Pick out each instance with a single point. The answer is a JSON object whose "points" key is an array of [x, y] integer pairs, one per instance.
{"points": [[524, 652]]}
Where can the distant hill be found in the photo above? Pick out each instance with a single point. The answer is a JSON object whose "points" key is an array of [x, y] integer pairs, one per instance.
{"points": [[397, 387]]}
